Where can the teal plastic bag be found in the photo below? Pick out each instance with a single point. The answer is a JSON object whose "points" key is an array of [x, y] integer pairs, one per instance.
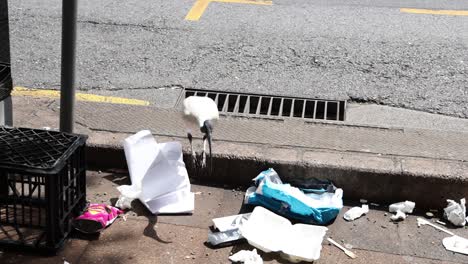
{"points": [[312, 205]]}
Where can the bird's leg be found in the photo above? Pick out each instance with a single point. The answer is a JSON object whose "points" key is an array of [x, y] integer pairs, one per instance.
{"points": [[209, 148], [207, 128], [204, 151], [190, 138]]}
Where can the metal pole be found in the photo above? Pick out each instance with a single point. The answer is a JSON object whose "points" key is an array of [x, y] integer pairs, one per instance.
{"points": [[6, 112], [67, 95], [6, 83]]}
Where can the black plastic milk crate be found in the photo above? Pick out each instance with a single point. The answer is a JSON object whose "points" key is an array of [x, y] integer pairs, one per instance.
{"points": [[42, 187]]}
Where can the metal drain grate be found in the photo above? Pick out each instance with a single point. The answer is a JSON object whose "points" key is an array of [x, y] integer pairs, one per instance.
{"points": [[273, 106]]}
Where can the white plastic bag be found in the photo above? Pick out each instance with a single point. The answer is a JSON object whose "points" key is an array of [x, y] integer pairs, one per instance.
{"points": [[158, 174]]}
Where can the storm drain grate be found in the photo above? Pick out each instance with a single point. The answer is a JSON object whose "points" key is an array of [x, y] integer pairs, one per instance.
{"points": [[273, 106]]}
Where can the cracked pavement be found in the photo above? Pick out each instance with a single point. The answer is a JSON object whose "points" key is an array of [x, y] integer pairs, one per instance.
{"points": [[364, 51]]}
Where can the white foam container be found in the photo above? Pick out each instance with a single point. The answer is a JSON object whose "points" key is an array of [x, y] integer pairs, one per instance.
{"points": [[269, 232]]}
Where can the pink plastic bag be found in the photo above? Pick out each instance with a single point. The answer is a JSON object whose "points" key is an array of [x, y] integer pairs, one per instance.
{"points": [[96, 218]]}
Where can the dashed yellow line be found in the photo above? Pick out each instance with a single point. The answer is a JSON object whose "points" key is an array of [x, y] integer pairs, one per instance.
{"points": [[21, 91], [200, 6], [434, 12]]}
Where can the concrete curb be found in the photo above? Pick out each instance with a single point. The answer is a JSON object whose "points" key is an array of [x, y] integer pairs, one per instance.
{"points": [[377, 178], [380, 165]]}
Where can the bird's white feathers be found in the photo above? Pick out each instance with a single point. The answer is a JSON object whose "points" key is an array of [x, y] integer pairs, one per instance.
{"points": [[201, 108]]}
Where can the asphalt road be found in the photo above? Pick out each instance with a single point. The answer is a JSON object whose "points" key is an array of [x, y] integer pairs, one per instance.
{"points": [[363, 50]]}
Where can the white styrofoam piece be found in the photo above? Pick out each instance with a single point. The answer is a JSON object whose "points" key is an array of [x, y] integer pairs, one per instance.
{"points": [[305, 242], [230, 222], [456, 244], [269, 232]]}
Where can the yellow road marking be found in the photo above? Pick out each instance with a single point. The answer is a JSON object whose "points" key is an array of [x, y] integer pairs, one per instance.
{"points": [[197, 10], [435, 12], [250, 2], [200, 6], [21, 91]]}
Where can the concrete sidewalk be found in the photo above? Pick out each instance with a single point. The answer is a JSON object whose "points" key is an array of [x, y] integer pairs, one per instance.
{"points": [[384, 164], [144, 238]]}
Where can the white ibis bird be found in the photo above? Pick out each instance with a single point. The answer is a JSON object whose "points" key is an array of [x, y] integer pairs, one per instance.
{"points": [[202, 111]]}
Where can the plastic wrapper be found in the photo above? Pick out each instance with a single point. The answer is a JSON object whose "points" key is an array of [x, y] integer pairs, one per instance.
{"points": [[311, 205], [96, 218]]}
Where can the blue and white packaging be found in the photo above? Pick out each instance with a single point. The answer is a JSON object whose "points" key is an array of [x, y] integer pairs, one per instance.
{"points": [[312, 206]]}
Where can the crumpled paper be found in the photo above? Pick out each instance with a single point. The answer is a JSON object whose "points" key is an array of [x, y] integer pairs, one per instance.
{"points": [[158, 174], [247, 257], [456, 212], [398, 216], [356, 212], [401, 209]]}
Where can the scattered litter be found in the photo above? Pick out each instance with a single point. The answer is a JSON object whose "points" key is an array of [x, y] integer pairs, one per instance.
{"points": [[269, 232], [226, 238], [124, 202], [197, 193], [440, 222], [398, 216], [375, 204], [363, 201], [230, 222], [65, 262], [346, 251], [401, 209], [456, 244], [456, 212], [404, 207], [247, 257], [356, 212], [158, 174], [348, 246], [429, 215], [96, 218], [315, 205], [425, 222]]}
